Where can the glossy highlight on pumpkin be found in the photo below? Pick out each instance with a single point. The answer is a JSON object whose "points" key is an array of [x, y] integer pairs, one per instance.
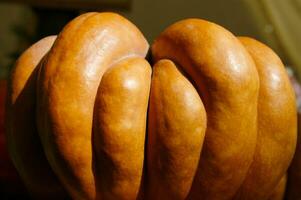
{"points": [[214, 118]]}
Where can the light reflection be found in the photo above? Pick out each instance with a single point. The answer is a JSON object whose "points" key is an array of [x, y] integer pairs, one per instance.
{"points": [[130, 84], [275, 79], [101, 45], [232, 58]]}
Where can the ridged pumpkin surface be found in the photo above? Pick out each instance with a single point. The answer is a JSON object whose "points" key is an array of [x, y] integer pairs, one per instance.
{"points": [[214, 118]]}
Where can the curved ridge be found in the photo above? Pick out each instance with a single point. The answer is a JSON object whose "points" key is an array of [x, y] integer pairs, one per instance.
{"points": [[65, 119], [21, 132], [226, 78]]}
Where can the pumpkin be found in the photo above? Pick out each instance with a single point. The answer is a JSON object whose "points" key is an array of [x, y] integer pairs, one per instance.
{"points": [[294, 172], [23, 142], [89, 118], [279, 191]]}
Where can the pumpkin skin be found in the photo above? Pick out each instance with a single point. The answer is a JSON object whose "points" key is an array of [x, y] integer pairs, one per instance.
{"points": [[294, 172], [22, 137], [176, 130], [119, 128], [200, 137], [276, 141], [99, 41], [279, 191]]}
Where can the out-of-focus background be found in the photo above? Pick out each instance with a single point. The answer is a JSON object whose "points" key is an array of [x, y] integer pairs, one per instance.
{"points": [[23, 22]]}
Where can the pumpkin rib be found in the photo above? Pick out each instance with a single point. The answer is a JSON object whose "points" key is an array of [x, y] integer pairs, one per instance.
{"points": [[220, 124], [21, 133], [277, 122], [82, 53], [119, 129], [177, 124], [226, 78]]}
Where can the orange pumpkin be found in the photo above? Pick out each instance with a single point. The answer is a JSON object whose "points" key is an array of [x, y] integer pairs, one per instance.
{"points": [[89, 118]]}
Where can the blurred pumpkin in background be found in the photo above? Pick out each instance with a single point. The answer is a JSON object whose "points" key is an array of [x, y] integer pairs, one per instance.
{"points": [[218, 113]]}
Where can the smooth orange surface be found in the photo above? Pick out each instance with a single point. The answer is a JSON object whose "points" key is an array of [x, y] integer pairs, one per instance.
{"points": [[176, 130], [119, 129], [277, 124], [294, 172], [216, 119], [279, 191], [227, 81], [21, 131], [68, 83]]}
